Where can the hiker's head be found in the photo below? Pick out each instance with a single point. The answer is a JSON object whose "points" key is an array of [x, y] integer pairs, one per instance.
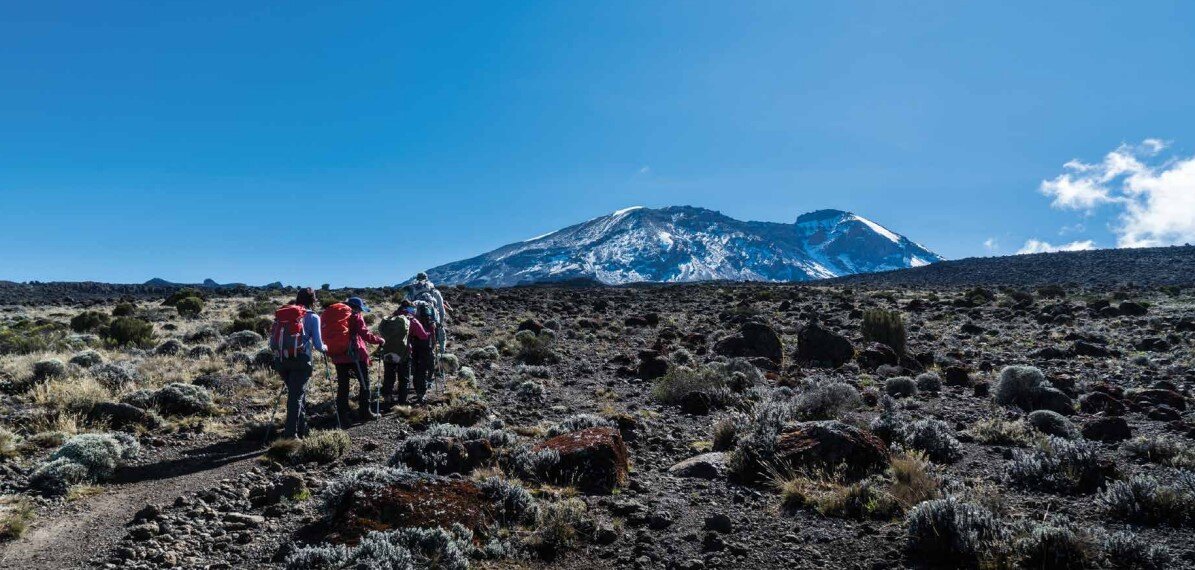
{"points": [[306, 297], [357, 305], [421, 277]]}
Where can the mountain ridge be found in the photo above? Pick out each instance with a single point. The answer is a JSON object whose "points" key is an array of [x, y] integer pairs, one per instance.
{"points": [[687, 244]]}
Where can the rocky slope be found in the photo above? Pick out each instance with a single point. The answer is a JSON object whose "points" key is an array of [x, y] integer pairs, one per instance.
{"points": [[1099, 268], [682, 243], [686, 388]]}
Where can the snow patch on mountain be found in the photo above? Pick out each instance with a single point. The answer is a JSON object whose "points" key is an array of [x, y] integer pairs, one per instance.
{"points": [[684, 243]]}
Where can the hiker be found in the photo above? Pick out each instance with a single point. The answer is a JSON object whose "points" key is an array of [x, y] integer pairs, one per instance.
{"points": [[396, 354], [346, 334], [423, 290], [423, 334], [401, 330], [293, 338]]}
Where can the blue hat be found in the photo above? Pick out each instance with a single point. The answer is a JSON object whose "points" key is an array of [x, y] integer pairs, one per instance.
{"points": [[357, 303]]}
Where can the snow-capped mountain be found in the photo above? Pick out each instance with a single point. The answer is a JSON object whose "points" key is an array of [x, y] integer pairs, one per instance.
{"points": [[683, 243]]}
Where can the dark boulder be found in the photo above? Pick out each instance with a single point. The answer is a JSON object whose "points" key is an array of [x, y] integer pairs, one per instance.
{"points": [[820, 346], [1107, 429], [753, 340]]}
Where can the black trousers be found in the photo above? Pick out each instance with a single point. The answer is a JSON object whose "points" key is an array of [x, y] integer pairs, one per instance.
{"points": [[344, 372], [399, 373], [295, 372], [421, 366]]}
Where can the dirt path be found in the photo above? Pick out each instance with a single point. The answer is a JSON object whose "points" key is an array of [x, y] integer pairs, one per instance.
{"points": [[72, 535]]}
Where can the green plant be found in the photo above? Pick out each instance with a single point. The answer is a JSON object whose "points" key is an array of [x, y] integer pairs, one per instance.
{"points": [[15, 516], [124, 310], [124, 331], [181, 294], [24, 336], [189, 307], [953, 532], [259, 325], [319, 447], [885, 327], [88, 321]]}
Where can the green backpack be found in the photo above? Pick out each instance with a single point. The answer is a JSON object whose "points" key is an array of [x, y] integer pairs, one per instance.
{"points": [[394, 331]]}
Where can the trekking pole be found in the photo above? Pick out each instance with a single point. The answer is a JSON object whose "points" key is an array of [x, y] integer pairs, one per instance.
{"points": [[328, 375], [274, 416]]}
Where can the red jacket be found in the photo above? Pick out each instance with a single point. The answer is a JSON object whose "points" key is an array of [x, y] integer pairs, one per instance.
{"points": [[360, 331], [417, 330]]}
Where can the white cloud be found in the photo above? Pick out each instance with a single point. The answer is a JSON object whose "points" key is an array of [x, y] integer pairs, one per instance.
{"points": [[1156, 198], [645, 170], [991, 244], [1038, 246]]}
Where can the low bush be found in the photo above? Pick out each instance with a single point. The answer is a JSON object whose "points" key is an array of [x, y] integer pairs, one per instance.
{"points": [[1063, 547], [1125, 550], [900, 387], [912, 481], [1144, 499], [1058, 465], [536, 349], [487, 353], [88, 321], [514, 504], [319, 447], [935, 439], [884, 327], [189, 307], [824, 400], [996, 431], [1052, 423], [929, 382], [557, 524], [1026, 387], [952, 532], [725, 432], [533, 464], [405, 548], [15, 516], [530, 390], [578, 422], [124, 310], [1163, 450], [259, 325], [25, 336], [84, 458], [187, 292], [47, 369], [184, 400], [126, 331], [87, 359]]}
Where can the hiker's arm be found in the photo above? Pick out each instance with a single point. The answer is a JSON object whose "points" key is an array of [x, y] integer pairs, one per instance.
{"points": [[317, 339], [366, 334]]}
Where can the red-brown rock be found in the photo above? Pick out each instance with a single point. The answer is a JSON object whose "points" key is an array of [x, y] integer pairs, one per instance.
{"points": [[594, 459]]}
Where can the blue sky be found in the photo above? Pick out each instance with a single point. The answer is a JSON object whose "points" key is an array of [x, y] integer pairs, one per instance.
{"points": [[358, 142]]}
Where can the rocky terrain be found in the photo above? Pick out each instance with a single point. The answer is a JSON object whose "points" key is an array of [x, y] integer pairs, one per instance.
{"points": [[676, 426], [1095, 268]]}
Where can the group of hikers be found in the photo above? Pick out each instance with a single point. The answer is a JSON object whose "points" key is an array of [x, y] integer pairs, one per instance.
{"points": [[408, 342]]}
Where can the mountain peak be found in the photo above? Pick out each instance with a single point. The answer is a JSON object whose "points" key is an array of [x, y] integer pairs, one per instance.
{"points": [[687, 243]]}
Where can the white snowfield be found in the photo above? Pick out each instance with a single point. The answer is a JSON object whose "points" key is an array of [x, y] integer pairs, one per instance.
{"points": [[681, 243]]}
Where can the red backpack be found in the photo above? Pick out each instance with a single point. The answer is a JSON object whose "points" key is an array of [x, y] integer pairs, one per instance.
{"points": [[334, 327], [286, 336]]}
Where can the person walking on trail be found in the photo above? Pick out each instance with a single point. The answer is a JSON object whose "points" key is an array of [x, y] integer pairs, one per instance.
{"points": [[424, 290], [294, 337], [422, 346], [396, 354], [347, 336]]}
